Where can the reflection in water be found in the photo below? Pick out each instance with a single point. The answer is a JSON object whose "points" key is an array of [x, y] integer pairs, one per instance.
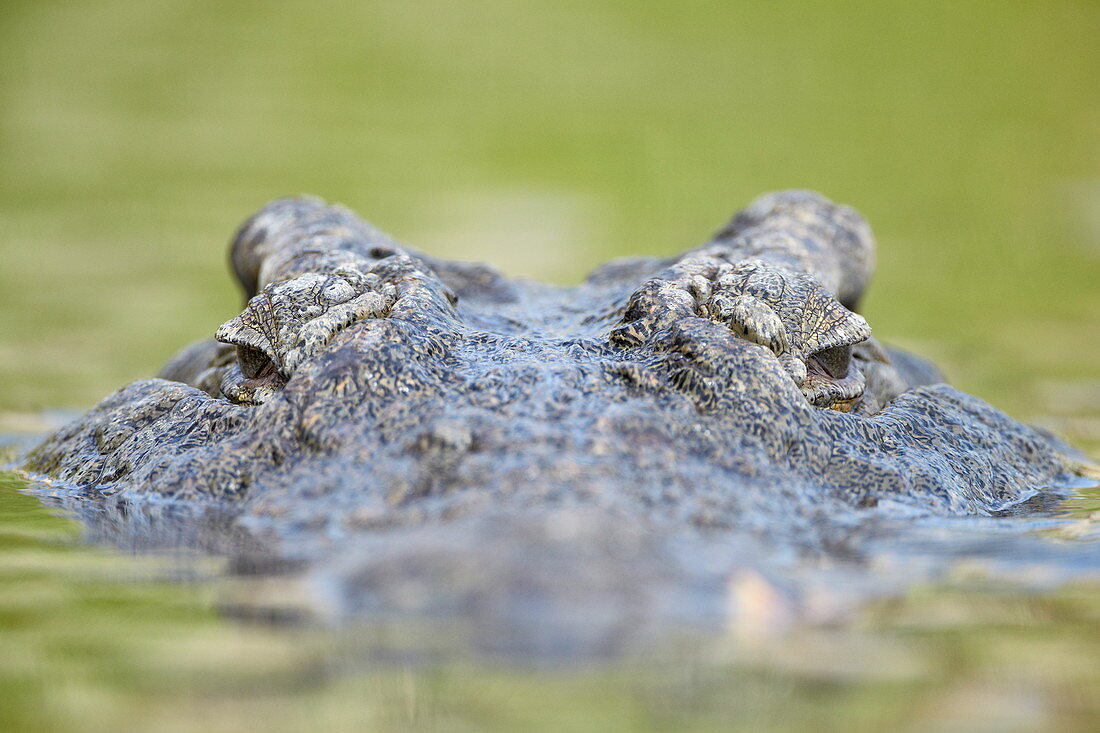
{"points": [[570, 583], [208, 618]]}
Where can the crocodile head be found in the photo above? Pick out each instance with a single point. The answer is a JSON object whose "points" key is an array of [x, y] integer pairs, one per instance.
{"points": [[365, 383]]}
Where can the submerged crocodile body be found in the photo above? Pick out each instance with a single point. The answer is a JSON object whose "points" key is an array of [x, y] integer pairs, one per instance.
{"points": [[366, 386]]}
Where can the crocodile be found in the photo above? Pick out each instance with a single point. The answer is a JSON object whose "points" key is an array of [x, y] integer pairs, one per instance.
{"points": [[368, 390]]}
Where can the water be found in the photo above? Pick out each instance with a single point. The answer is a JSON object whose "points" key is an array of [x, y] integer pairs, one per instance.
{"points": [[97, 639], [547, 137]]}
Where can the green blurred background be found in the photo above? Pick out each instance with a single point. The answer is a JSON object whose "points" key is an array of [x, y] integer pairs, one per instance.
{"points": [[546, 137]]}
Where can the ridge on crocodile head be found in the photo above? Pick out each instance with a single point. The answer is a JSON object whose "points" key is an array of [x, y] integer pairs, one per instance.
{"points": [[365, 383]]}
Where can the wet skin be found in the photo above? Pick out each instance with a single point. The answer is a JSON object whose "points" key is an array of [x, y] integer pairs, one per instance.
{"points": [[361, 367], [375, 406]]}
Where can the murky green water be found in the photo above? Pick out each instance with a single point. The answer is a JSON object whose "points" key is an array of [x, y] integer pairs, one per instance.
{"points": [[546, 137], [96, 640]]}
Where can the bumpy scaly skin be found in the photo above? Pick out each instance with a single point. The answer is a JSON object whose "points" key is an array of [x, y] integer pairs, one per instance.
{"points": [[367, 385]]}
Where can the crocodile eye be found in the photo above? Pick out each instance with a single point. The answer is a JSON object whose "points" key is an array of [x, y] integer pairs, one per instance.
{"points": [[834, 362], [254, 363]]}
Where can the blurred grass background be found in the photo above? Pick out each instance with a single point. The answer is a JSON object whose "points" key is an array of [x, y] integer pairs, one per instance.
{"points": [[546, 137]]}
